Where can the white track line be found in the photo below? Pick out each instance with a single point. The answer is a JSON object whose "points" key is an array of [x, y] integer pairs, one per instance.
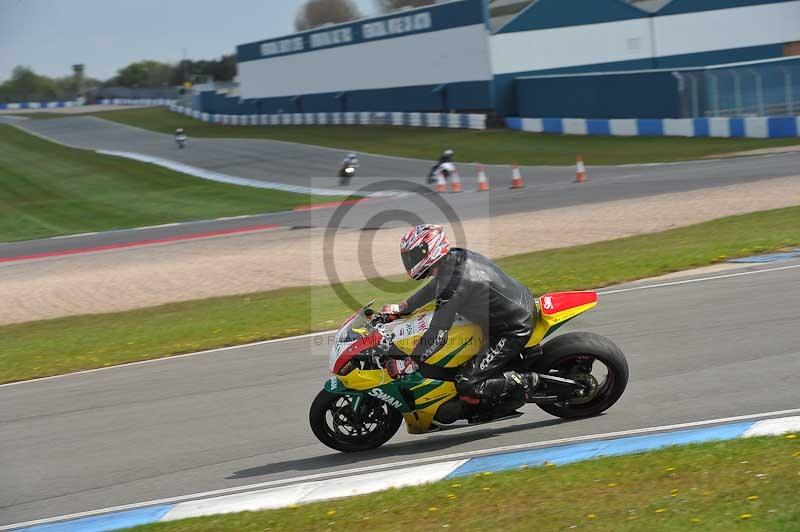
{"points": [[700, 279], [322, 333], [405, 463], [168, 358]]}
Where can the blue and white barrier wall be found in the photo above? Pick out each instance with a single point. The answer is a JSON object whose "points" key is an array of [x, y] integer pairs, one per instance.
{"points": [[752, 127], [444, 120], [38, 105], [136, 101]]}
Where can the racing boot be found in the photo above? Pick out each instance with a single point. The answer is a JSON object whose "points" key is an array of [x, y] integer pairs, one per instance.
{"points": [[525, 382]]}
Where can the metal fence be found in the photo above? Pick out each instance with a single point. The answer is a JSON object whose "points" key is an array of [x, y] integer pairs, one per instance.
{"points": [[759, 88]]}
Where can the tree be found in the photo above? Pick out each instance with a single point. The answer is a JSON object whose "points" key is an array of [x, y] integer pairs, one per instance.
{"points": [[143, 74], [387, 6], [315, 13], [222, 69], [26, 86]]}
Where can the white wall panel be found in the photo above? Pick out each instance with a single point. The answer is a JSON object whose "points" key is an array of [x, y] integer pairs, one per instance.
{"points": [[756, 127], [571, 46], [574, 126], [623, 127], [679, 127], [727, 28], [719, 127], [453, 55], [532, 124]]}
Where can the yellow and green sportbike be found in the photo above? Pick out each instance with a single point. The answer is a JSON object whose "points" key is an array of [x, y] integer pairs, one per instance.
{"points": [[361, 407]]}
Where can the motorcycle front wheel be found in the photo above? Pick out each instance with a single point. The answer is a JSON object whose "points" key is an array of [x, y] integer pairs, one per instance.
{"points": [[590, 359], [337, 425]]}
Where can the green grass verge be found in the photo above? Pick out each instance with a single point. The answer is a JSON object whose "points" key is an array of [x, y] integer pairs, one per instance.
{"points": [[51, 347], [490, 147], [47, 189], [749, 484]]}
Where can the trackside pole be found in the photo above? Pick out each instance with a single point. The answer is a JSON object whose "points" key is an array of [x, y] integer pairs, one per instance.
{"points": [[580, 170], [483, 181], [516, 177]]}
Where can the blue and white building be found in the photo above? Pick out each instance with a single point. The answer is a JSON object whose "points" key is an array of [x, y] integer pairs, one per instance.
{"points": [[525, 58]]}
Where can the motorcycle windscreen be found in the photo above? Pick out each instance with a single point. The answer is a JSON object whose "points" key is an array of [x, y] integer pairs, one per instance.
{"points": [[345, 337]]}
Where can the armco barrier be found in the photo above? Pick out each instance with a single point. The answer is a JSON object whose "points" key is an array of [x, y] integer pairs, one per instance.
{"points": [[136, 101], [753, 127], [443, 120], [38, 105]]}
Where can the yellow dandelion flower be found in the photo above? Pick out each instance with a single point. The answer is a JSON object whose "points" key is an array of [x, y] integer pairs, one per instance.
{"points": [[487, 489], [791, 436], [745, 516], [796, 454], [674, 491], [669, 469], [452, 496], [331, 513], [455, 485], [752, 498], [486, 473], [612, 484], [433, 509], [661, 510], [591, 516], [695, 520]]}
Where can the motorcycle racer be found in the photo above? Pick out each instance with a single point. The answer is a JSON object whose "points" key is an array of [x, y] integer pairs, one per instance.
{"points": [[443, 165], [351, 160], [468, 284]]}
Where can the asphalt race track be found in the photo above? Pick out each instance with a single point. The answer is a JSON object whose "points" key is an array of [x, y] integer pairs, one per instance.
{"points": [[716, 348], [546, 187]]}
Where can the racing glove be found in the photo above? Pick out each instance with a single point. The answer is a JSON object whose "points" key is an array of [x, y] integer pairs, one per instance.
{"points": [[398, 369], [394, 311]]}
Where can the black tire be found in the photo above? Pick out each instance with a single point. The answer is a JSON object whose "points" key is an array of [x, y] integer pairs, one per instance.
{"points": [[562, 349], [388, 421]]}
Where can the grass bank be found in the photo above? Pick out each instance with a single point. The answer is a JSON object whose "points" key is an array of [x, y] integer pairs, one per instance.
{"points": [[47, 190], [749, 484], [51, 347], [489, 147]]}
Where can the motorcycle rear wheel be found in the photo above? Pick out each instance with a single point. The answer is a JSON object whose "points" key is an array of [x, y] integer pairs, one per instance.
{"points": [[331, 419], [563, 354]]}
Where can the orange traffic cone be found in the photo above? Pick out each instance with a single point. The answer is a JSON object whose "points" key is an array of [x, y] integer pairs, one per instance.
{"points": [[483, 182], [580, 173], [516, 177], [441, 186], [455, 182]]}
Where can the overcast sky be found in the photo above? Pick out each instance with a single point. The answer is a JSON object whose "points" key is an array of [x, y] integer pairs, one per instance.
{"points": [[51, 35]]}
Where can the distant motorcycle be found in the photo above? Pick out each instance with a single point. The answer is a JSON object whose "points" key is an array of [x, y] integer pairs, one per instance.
{"points": [[180, 140], [445, 169], [346, 174]]}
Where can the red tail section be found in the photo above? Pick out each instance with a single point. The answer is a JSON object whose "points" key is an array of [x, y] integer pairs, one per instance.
{"points": [[561, 301]]}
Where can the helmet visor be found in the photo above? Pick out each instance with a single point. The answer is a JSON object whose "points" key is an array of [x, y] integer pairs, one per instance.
{"points": [[413, 257]]}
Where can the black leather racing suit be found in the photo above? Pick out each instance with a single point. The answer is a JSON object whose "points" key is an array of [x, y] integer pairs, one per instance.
{"points": [[435, 168], [473, 286]]}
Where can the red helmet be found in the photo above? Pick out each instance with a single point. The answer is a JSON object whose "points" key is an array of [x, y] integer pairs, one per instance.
{"points": [[422, 247]]}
